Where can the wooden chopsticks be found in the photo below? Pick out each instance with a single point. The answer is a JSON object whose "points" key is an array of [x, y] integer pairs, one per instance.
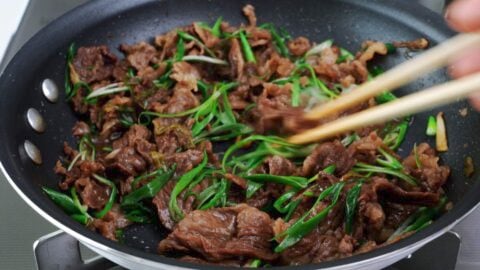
{"points": [[435, 96]]}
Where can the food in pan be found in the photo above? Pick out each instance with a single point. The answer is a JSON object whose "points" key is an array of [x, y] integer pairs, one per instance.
{"points": [[188, 132]]}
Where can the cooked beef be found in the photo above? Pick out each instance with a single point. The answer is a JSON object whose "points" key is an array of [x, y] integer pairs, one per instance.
{"points": [[418, 44], [249, 12], [299, 46], [81, 128], [140, 55], [130, 136], [370, 48], [93, 64], [93, 194], [110, 223], [186, 76], [326, 154], [433, 174], [365, 149], [238, 232], [235, 58]]}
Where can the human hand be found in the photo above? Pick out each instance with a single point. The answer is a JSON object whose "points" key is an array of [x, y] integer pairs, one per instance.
{"points": [[464, 16]]}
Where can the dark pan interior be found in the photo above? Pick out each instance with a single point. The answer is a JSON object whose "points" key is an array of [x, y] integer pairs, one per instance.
{"points": [[113, 22]]}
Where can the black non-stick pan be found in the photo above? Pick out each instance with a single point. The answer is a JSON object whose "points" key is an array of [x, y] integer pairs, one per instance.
{"points": [[113, 22]]}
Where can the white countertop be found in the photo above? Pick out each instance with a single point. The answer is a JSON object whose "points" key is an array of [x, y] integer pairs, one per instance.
{"points": [[10, 16]]}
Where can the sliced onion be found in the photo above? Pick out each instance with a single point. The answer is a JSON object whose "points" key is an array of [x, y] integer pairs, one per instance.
{"points": [[112, 154], [203, 58], [441, 137], [320, 47], [108, 89]]}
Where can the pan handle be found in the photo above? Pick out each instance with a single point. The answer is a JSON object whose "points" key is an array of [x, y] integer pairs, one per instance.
{"points": [[59, 250]]}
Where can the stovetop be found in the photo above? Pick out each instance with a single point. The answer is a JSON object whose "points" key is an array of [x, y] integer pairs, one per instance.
{"points": [[23, 226]]}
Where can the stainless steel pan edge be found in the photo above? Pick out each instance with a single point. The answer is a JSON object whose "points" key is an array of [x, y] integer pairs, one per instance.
{"points": [[132, 262]]}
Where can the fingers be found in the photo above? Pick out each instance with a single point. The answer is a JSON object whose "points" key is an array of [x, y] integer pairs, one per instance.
{"points": [[468, 63], [464, 15], [465, 64]]}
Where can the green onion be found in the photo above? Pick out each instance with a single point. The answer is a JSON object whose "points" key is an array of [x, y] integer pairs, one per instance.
{"points": [[269, 139], [81, 218], [255, 263], [164, 82], [69, 93], [296, 92], [363, 167], [73, 162], [216, 29], [390, 48], [220, 197], [81, 208], [395, 134], [203, 108], [385, 97], [180, 52], [293, 181], [62, 200], [175, 211], [431, 126], [151, 189], [349, 139], [344, 56], [111, 199], [279, 203], [351, 206], [302, 226], [330, 169], [252, 187], [318, 83], [417, 158], [247, 50], [187, 36], [420, 219], [390, 161], [138, 213], [278, 39], [224, 132]]}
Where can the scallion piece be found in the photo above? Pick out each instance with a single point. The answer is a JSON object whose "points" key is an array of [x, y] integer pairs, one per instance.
{"points": [[351, 206], [293, 181], [175, 211], [302, 226], [363, 167], [247, 50], [62, 200], [431, 126], [390, 161], [111, 199], [187, 36], [390, 48], [296, 92], [151, 189], [279, 39], [205, 59]]}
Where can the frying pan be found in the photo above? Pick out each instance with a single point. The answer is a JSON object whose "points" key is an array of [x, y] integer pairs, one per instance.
{"points": [[113, 22]]}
